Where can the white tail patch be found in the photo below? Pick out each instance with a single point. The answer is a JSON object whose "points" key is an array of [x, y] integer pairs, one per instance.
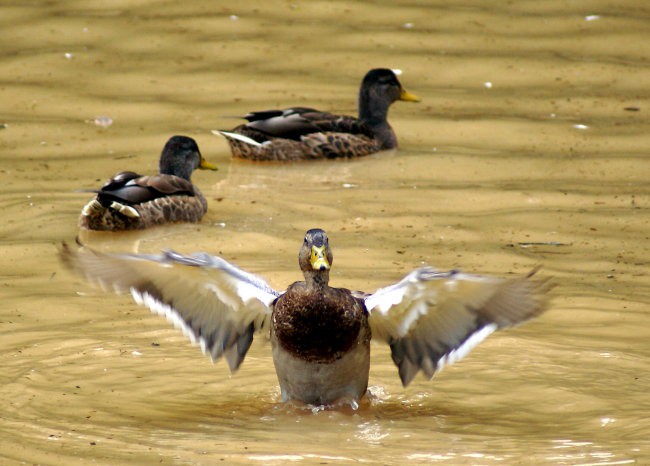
{"points": [[237, 137]]}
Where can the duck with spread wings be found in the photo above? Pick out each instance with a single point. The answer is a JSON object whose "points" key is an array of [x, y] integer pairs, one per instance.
{"points": [[320, 335]]}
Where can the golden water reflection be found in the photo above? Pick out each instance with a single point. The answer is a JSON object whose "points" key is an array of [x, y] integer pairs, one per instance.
{"points": [[529, 147]]}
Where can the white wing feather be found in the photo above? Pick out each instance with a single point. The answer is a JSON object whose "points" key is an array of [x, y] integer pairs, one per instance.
{"points": [[237, 137]]}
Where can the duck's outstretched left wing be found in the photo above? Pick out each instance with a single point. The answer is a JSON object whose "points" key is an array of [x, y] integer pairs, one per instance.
{"points": [[432, 318], [215, 303]]}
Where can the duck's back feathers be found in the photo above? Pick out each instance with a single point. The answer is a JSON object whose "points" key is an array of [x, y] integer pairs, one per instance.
{"points": [[290, 123], [118, 180], [215, 303], [433, 318], [129, 188], [294, 123]]}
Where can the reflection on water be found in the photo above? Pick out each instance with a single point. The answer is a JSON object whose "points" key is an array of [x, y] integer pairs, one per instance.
{"points": [[546, 164]]}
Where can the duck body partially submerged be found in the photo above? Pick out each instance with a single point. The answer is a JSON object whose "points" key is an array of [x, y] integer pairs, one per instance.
{"points": [[130, 201], [304, 133]]}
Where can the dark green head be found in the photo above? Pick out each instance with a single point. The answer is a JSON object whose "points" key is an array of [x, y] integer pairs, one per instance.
{"points": [[181, 157], [379, 89]]}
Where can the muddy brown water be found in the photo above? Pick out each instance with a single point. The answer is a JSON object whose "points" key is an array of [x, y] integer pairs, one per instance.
{"points": [[530, 146]]}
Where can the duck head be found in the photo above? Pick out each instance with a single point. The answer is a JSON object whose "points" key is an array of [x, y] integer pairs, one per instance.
{"points": [[379, 89], [181, 156], [315, 257]]}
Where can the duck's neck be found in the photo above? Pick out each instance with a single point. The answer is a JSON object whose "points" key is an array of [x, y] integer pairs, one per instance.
{"points": [[317, 279], [374, 113], [169, 167]]}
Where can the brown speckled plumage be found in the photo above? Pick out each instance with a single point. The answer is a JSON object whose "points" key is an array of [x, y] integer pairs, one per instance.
{"points": [[301, 133], [318, 325], [129, 201], [167, 209], [311, 147]]}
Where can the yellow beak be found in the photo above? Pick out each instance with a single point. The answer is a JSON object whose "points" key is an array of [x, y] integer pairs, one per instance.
{"points": [[318, 259], [408, 97], [207, 165]]}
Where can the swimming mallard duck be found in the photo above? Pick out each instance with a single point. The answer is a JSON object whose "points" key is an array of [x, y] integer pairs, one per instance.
{"points": [[320, 335], [130, 201], [301, 133]]}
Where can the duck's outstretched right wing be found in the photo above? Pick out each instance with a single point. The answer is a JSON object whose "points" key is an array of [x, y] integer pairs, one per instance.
{"points": [[432, 318]]}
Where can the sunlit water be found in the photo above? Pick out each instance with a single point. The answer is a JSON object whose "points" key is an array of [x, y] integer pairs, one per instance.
{"points": [[530, 147]]}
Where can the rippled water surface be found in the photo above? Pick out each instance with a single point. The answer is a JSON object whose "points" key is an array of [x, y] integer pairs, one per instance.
{"points": [[530, 146]]}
